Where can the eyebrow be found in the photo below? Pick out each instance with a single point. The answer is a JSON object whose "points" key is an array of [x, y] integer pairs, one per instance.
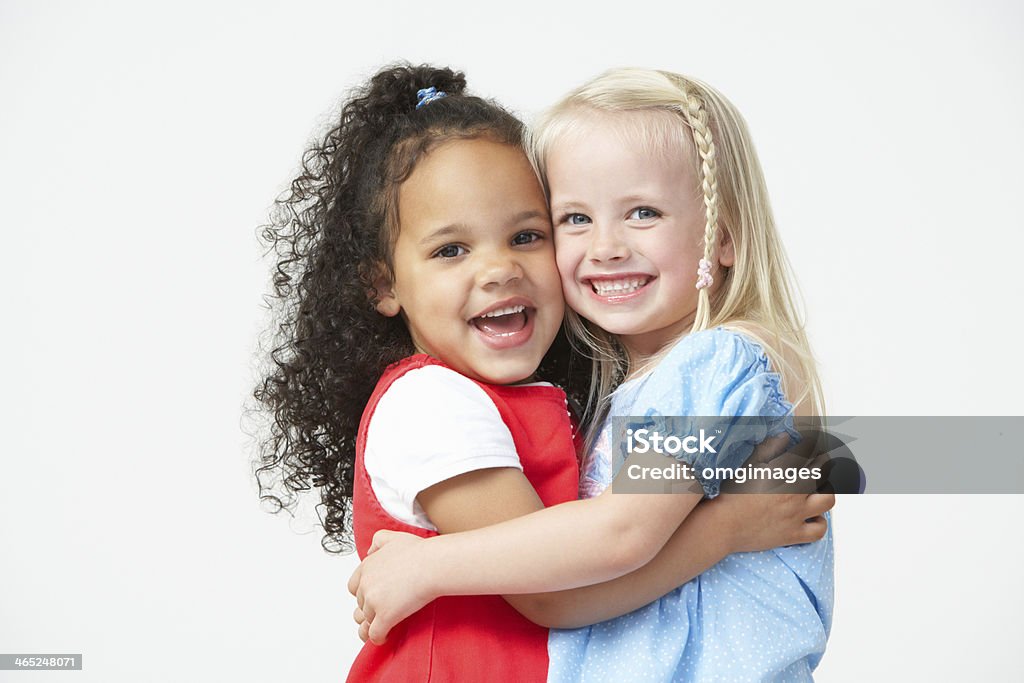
{"points": [[453, 229], [581, 207], [568, 206], [637, 198], [528, 215]]}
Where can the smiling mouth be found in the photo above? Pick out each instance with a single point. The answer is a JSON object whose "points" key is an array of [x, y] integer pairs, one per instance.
{"points": [[502, 322], [619, 287]]}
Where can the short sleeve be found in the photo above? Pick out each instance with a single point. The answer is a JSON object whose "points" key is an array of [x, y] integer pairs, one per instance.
{"points": [[431, 424], [720, 374]]}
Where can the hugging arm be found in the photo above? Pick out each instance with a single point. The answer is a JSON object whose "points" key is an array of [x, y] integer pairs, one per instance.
{"points": [[484, 561], [566, 546], [456, 506]]}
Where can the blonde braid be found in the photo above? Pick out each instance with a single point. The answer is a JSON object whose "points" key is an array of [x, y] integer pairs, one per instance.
{"points": [[697, 118]]}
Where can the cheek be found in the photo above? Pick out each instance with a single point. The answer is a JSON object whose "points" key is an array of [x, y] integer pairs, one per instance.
{"points": [[567, 258], [570, 288], [545, 274], [674, 255]]}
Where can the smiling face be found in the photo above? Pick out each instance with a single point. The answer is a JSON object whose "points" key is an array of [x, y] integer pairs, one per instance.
{"points": [[629, 231], [474, 270]]}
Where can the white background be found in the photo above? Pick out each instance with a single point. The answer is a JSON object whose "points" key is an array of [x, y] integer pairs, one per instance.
{"points": [[140, 148]]}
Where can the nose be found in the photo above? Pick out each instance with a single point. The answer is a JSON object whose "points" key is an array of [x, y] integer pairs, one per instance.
{"points": [[606, 244], [499, 269]]}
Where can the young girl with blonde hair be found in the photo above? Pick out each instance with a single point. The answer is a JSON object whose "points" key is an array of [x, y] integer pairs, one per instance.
{"points": [[670, 259]]}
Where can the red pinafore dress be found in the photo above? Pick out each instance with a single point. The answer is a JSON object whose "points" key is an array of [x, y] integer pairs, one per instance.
{"points": [[469, 638]]}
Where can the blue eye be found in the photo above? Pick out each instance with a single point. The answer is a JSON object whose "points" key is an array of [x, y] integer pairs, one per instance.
{"points": [[449, 251], [526, 238], [643, 213], [576, 219]]}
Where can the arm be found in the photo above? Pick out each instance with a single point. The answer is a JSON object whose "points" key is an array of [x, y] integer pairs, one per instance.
{"points": [[564, 546], [730, 523], [488, 497], [716, 528]]}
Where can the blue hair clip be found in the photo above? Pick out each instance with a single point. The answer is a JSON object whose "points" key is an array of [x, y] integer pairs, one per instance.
{"points": [[428, 95]]}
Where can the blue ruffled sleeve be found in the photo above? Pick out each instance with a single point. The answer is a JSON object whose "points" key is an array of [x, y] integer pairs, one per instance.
{"points": [[719, 373]]}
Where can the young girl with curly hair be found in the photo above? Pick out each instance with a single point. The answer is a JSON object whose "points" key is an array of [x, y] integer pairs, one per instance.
{"points": [[420, 308], [674, 272]]}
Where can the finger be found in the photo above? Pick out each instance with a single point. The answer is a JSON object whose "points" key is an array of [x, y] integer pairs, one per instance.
{"points": [[378, 632], [778, 443], [380, 538], [791, 474], [819, 503], [358, 616], [353, 581], [787, 459], [814, 530], [770, 448], [821, 460], [364, 631]]}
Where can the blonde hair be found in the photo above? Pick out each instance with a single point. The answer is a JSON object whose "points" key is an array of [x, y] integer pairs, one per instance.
{"points": [[757, 295]]}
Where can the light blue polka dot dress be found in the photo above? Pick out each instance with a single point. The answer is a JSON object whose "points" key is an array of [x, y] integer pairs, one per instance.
{"points": [[761, 616]]}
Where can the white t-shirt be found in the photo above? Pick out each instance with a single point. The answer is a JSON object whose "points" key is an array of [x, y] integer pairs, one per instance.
{"points": [[431, 424]]}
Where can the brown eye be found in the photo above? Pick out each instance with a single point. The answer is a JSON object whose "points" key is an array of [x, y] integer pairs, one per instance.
{"points": [[449, 251], [526, 238]]}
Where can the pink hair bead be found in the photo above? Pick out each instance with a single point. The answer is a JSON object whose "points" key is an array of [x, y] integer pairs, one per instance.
{"points": [[704, 278]]}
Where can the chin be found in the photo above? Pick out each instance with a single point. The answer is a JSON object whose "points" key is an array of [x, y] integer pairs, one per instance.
{"points": [[512, 377], [509, 372], [611, 324]]}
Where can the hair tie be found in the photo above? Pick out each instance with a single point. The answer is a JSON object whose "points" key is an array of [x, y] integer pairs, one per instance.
{"points": [[428, 95], [704, 278]]}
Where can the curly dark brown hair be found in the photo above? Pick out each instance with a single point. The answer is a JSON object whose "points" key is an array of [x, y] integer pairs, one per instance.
{"points": [[332, 234]]}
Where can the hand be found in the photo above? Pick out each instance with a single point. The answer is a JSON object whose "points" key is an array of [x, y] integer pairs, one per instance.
{"points": [[763, 521], [390, 584], [759, 519]]}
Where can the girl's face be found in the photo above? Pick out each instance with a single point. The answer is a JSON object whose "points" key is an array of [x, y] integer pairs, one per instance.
{"points": [[474, 268], [629, 233]]}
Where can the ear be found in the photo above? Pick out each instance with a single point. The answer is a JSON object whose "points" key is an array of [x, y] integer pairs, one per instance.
{"points": [[726, 250], [386, 303]]}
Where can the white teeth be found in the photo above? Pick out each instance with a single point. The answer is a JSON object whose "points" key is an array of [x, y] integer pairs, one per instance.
{"points": [[504, 311], [609, 287]]}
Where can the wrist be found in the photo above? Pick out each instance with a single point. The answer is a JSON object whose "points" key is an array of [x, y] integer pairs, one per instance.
{"points": [[431, 569], [733, 538]]}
